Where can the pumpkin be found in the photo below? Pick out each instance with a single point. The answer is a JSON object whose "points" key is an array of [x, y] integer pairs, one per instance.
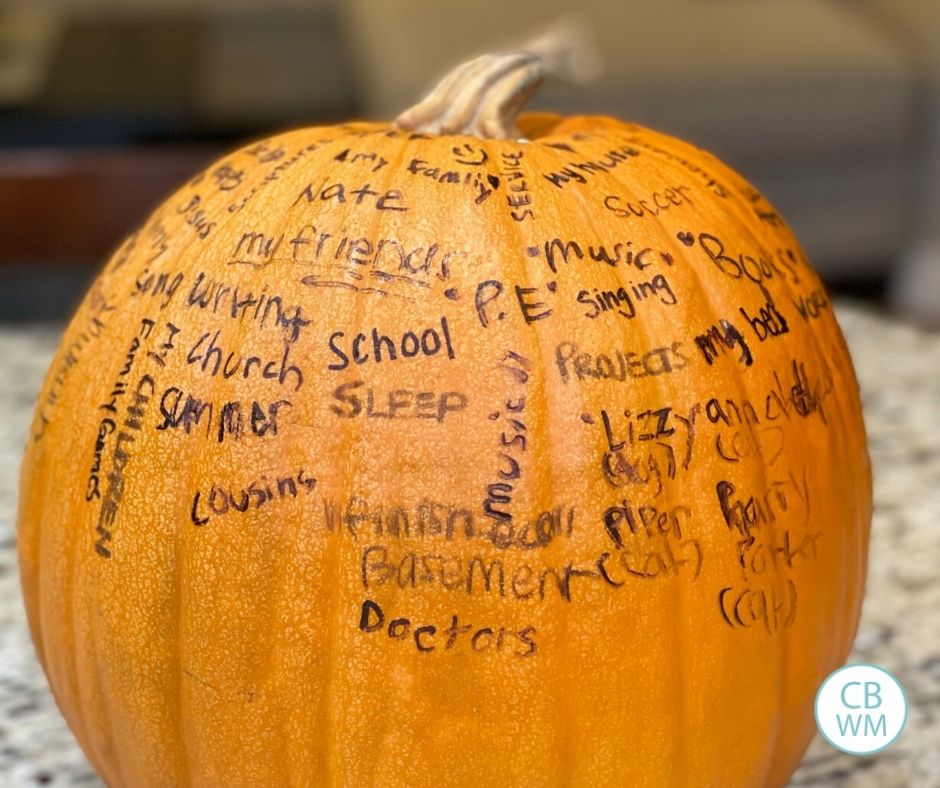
{"points": [[470, 449]]}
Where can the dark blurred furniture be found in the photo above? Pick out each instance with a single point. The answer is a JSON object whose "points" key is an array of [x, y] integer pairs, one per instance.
{"points": [[915, 27], [809, 99], [106, 108], [830, 107], [76, 204]]}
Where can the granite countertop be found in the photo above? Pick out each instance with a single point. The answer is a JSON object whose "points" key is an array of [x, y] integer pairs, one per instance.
{"points": [[899, 371]]}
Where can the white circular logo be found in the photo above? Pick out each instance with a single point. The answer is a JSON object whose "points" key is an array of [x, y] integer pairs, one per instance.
{"points": [[861, 709]]}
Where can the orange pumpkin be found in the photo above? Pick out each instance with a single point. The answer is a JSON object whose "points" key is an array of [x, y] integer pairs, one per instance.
{"points": [[445, 457]]}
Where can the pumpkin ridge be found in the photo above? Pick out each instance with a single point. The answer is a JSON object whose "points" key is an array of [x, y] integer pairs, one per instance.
{"points": [[746, 227], [680, 748], [784, 642], [352, 431], [764, 483], [181, 594], [537, 339], [705, 288]]}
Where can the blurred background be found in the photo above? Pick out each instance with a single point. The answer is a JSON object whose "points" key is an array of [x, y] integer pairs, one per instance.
{"points": [[830, 107]]}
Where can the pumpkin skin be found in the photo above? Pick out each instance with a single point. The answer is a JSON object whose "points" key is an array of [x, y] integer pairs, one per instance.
{"points": [[603, 518]]}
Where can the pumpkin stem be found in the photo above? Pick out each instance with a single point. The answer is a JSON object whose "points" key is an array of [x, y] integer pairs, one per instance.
{"points": [[483, 96]]}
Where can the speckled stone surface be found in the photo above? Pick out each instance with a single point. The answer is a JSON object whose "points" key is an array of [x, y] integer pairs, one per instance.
{"points": [[899, 371]]}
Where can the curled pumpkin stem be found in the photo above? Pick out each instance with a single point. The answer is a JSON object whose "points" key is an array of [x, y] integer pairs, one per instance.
{"points": [[483, 96]]}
